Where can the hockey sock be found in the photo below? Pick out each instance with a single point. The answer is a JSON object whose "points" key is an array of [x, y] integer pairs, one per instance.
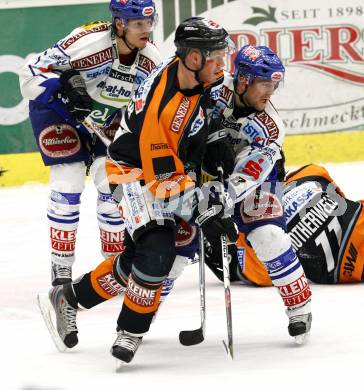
{"points": [[63, 216], [111, 226], [98, 285], [141, 301]]}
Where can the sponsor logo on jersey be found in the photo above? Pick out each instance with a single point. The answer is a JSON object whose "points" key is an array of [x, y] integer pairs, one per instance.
{"points": [[269, 124], [159, 210], [180, 114], [350, 261], [94, 60], [109, 285], [295, 293], [269, 153], [307, 223], [225, 93], [197, 124], [70, 41], [115, 92], [173, 183], [60, 60], [185, 234], [103, 70], [129, 78], [124, 68], [298, 197], [159, 146], [59, 141], [251, 131], [260, 206], [163, 176], [100, 115], [231, 124], [253, 168], [233, 140], [241, 258], [142, 92], [146, 63], [135, 201]]}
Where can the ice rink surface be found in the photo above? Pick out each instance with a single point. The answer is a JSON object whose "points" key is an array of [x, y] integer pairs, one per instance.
{"points": [[265, 356]]}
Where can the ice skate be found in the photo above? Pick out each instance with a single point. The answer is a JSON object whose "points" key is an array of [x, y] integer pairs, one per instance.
{"points": [[299, 327], [61, 274], [60, 318], [125, 346]]}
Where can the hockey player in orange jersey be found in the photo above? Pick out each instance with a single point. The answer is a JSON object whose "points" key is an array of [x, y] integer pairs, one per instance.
{"points": [[163, 133], [326, 229]]}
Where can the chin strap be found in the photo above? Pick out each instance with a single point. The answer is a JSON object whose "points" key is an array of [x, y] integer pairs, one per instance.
{"points": [[122, 36], [182, 56], [241, 96]]}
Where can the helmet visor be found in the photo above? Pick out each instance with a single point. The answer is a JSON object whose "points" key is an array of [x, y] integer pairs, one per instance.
{"points": [[141, 25], [267, 86], [221, 54]]}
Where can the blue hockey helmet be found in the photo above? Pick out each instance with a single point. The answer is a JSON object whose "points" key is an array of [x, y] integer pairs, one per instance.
{"points": [[258, 62], [133, 9]]}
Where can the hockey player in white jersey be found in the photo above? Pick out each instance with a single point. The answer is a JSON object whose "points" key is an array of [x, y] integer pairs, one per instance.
{"points": [[254, 128], [91, 72]]}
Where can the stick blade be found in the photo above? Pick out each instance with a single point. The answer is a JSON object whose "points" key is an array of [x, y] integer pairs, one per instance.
{"points": [[191, 337]]}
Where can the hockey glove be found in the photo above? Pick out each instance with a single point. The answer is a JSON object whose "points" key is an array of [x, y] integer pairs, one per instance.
{"points": [[213, 259], [78, 101], [219, 151], [214, 223]]}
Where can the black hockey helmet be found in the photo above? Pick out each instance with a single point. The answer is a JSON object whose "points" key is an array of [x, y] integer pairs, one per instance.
{"points": [[203, 34], [200, 33]]}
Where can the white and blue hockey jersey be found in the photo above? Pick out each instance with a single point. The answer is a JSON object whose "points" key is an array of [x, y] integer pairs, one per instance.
{"points": [[90, 49], [257, 140]]}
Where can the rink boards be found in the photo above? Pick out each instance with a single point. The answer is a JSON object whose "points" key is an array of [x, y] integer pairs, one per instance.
{"points": [[17, 169]]}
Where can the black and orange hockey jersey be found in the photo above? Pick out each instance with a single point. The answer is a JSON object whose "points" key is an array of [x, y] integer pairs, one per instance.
{"points": [[163, 128], [327, 231]]}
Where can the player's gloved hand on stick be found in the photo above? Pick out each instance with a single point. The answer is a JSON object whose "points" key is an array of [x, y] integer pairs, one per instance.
{"points": [[214, 223], [213, 260], [79, 102], [219, 151]]}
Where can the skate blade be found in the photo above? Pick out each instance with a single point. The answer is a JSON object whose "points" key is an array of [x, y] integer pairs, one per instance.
{"points": [[46, 308], [301, 339]]}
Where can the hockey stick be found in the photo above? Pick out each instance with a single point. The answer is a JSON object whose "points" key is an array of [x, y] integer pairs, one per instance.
{"points": [[196, 336], [94, 128], [225, 266]]}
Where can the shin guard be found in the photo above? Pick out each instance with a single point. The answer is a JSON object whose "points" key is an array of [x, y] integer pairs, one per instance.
{"points": [[99, 285], [140, 304]]}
